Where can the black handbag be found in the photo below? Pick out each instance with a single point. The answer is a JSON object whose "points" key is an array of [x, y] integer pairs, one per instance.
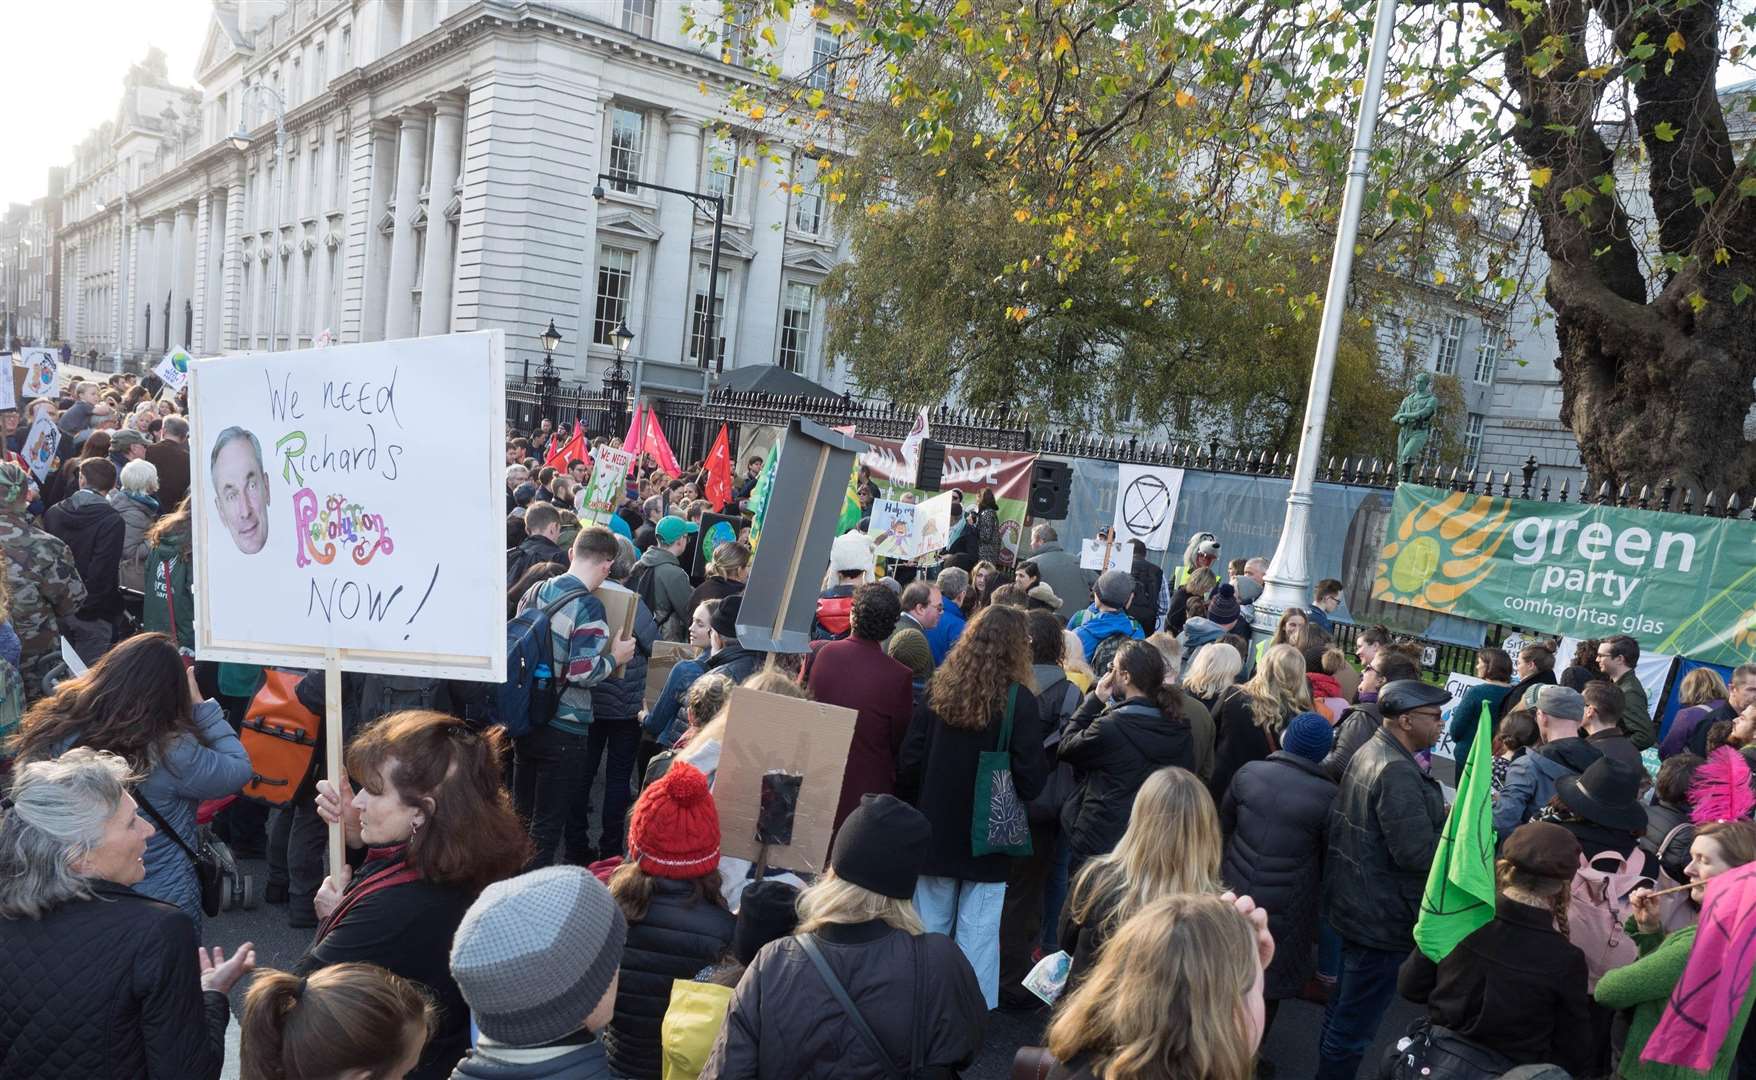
{"points": [[1432, 1052], [210, 872]]}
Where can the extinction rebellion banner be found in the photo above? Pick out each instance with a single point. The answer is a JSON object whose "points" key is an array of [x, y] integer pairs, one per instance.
{"points": [[1681, 585]]}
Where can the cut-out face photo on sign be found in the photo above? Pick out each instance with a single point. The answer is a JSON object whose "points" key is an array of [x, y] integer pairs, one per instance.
{"points": [[240, 488]]}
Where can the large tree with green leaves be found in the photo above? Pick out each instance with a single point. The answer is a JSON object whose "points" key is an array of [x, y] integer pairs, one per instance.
{"points": [[1148, 137]]}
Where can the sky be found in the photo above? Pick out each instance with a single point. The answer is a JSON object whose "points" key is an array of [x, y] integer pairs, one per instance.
{"points": [[64, 71]]}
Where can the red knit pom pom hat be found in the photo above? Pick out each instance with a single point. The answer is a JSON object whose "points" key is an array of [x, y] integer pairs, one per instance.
{"points": [[675, 829]]}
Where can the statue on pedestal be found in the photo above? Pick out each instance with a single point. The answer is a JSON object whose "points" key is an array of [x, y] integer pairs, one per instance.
{"points": [[1414, 419]]}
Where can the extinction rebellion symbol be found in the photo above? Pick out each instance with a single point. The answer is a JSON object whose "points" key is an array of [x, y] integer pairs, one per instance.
{"points": [[1145, 502]]}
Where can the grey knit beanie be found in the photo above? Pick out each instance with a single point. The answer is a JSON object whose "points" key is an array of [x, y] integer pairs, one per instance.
{"points": [[535, 953]]}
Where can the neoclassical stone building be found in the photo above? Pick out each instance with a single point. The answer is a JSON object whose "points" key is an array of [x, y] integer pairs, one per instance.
{"points": [[440, 162]]}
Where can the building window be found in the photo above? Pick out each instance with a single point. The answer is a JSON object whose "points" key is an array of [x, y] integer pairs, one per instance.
{"points": [[320, 71], [1472, 441], [347, 47], [721, 169], [1445, 360], [808, 203], [637, 16], [823, 50], [698, 316], [795, 326], [615, 286], [627, 147], [1487, 356], [735, 35]]}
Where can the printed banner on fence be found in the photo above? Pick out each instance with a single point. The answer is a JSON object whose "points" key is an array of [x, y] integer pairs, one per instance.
{"points": [[314, 478], [1004, 472], [1681, 585]]}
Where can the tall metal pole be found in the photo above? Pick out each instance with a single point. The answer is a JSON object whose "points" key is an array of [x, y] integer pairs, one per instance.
{"points": [[1289, 573], [121, 277], [710, 323]]}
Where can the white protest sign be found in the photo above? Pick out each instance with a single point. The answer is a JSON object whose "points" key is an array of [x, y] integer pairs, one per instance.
{"points": [[893, 530], [1456, 685], [41, 445], [933, 524], [351, 498], [1146, 503], [609, 471], [173, 370], [42, 367], [8, 389], [1092, 555]]}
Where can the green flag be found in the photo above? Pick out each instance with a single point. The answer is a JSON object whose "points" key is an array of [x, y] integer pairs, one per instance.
{"points": [[758, 504], [850, 507], [1460, 885]]}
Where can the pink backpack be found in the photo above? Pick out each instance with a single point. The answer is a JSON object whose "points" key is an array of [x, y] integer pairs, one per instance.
{"points": [[1598, 909]]}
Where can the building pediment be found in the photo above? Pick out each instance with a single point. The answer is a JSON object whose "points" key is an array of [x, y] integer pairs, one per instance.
{"points": [[731, 245], [808, 260], [629, 224], [223, 41]]}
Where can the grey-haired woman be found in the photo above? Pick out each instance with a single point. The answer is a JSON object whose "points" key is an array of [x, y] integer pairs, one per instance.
{"points": [[96, 980]]}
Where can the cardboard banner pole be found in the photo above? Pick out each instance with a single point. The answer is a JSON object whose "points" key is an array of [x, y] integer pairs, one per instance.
{"points": [[338, 850]]}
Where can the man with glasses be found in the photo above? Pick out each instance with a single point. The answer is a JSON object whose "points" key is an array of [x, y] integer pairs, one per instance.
{"points": [[1617, 657], [1360, 722], [1382, 836]]}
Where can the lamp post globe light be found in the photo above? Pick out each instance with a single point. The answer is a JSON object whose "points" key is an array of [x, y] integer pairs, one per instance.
{"points": [[241, 141], [616, 379], [548, 380]]}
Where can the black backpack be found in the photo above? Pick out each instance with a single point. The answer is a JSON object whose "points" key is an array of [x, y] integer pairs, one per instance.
{"points": [[1106, 651], [643, 582]]}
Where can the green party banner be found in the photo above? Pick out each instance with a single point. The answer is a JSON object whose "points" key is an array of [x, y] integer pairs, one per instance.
{"points": [[1681, 585]]}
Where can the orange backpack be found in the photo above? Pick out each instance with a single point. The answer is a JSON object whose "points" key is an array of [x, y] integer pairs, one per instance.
{"points": [[281, 736]]}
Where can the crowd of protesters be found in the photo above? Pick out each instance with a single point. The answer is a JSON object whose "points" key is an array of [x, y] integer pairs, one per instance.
{"points": [[1213, 820]]}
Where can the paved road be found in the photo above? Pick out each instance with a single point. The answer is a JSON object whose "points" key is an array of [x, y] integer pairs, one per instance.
{"points": [[1291, 1044]]}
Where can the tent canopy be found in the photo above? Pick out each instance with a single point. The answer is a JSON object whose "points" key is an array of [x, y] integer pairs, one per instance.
{"points": [[772, 379]]}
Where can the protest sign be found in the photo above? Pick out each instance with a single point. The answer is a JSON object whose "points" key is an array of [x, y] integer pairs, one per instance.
{"points": [[933, 524], [665, 655], [1102, 555], [1681, 585], [40, 447], [620, 607], [1456, 684], [1006, 473], [716, 529], [786, 744], [173, 370], [609, 474], [894, 529], [350, 499], [42, 367], [1146, 504], [9, 388]]}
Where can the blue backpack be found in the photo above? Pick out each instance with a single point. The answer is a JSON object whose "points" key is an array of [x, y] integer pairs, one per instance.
{"points": [[528, 697]]}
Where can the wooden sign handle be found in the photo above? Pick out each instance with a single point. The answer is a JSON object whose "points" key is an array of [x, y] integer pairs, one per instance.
{"points": [[332, 765]]}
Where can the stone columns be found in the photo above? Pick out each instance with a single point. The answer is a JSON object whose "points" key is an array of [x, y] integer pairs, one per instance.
{"points": [[762, 291], [369, 249], [299, 178], [129, 302], [164, 236], [439, 263], [203, 236], [411, 147], [668, 313]]}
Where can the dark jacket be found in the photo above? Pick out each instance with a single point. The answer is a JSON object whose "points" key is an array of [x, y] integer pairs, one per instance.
{"points": [[713, 588], [1382, 834], [620, 697], [855, 674], [1698, 737], [1683, 725], [1240, 740], [94, 532], [534, 550], [172, 461], [1516, 692], [1083, 938], [407, 930], [936, 771], [734, 662], [1516, 986], [679, 936], [1113, 749], [584, 1061], [1666, 821], [1636, 711], [1615, 744], [785, 1025], [1177, 615], [1530, 781], [1148, 579], [1060, 570], [1357, 726], [107, 989], [1275, 816]]}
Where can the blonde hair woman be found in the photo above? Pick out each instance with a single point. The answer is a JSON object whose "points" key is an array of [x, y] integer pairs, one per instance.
{"points": [[1702, 692], [1172, 845], [858, 929], [1250, 718], [1179, 997], [1211, 674]]}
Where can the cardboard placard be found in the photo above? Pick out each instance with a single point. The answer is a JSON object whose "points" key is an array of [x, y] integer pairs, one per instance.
{"points": [[767, 733], [665, 655], [603, 492], [620, 606]]}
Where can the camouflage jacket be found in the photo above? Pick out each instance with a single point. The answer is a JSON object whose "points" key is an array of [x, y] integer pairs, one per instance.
{"points": [[44, 583]]}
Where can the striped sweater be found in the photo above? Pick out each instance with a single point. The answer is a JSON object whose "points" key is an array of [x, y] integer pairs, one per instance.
{"points": [[581, 647]]}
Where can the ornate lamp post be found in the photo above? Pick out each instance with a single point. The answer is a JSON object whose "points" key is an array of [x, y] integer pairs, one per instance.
{"points": [[548, 380], [616, 379]]}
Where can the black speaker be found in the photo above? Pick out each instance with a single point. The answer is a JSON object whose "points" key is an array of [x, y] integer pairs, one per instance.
{"points": [[1051, 483], [930, 469]]}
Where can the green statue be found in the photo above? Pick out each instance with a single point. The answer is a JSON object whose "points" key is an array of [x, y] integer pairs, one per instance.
{"points": [[1415, 419]]}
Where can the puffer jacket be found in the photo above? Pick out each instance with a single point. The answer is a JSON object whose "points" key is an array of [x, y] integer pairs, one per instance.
{"points": [[1530, 781], [1382, 835], [1664, 820], [679, 936], [138, 513], [1198, 632], [94, 532], [785, 1025], [107, 988], [619, 697], [1113, 749], [1275, 816]]}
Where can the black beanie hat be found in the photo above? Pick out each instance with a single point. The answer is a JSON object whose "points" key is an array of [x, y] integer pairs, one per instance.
{"points": [[765, 914], [882, 846]]}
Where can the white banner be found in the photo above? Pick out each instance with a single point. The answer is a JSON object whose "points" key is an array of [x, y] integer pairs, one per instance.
{"points": [[1146, 504], [352, 498], [1092, 555], [42, 368], [173, 370]]}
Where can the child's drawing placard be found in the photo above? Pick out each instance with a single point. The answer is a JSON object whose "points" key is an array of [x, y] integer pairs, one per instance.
{"points": [[350, 498]]}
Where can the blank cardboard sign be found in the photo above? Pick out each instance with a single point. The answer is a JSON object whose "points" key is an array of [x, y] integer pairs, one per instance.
{"points": [[620, 606], [772, 732], [665, 655]]}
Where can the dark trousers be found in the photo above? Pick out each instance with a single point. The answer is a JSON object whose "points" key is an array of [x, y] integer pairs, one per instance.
{"points": [[546, 767], [1356, 1007], [298, 842], [618, 740], [1021, 913]]}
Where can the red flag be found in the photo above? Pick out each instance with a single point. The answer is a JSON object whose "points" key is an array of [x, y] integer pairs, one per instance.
{"points": [[652, 441], [571, 450], [554, 441], [636, 431], [719, 472]]}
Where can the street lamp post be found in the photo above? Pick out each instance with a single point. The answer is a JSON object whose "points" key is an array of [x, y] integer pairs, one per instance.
{"points": [[712, 358], [1289, 573], [548, 379], [616, 382], [241, 142]]}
